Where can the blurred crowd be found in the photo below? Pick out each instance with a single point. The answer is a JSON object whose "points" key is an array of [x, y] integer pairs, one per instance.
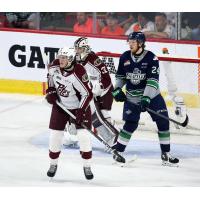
{"points": [[171, 25]]}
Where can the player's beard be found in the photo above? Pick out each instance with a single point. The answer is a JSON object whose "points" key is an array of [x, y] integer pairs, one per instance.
{"points": [[136, 50]]}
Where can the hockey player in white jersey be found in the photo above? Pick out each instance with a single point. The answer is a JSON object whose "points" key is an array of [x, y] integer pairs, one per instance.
{"points": [[68, 83]]}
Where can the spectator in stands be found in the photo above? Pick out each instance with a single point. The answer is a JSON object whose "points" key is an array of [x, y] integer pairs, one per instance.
{"points": [[53, 21], [162, 29], [143, 24], [112, 27], [186, 29], [126, 19], [196, 33], [70, 20], [171, 18], [22, 20], [3, 20], [84, 24]]}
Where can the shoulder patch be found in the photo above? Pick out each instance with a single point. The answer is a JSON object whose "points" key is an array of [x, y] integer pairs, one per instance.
{"points": [[155, 58], [127, 62], [85, 78], [97, 62]]}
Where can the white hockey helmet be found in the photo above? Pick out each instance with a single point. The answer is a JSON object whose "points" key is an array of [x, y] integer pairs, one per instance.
{"points": [[82, 43], [68, 52]]}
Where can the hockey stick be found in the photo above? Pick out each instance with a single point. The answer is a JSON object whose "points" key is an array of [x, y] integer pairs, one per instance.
{"points": [[183, 124], [113, 151], [102, 119]]}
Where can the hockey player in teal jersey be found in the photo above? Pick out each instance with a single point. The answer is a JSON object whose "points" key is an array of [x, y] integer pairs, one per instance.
{"points": [[138, 70]]}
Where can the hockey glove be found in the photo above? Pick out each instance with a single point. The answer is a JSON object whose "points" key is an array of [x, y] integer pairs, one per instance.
{"points": [[97, 88], [145, 101], [51, 95], [80, 114], [119, 95]]}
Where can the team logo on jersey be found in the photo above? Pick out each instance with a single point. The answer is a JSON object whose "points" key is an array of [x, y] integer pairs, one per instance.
{"points": [[85, 78], [127, 63], [136, 76], [62, 90], [97, 62], [128, 112]]}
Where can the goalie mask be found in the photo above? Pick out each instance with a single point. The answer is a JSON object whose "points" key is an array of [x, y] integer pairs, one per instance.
{"points": [[66, 56], [82, 48]]}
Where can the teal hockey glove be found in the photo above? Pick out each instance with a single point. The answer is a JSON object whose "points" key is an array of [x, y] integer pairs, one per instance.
{"points": [[119, 95], [145, 101]]}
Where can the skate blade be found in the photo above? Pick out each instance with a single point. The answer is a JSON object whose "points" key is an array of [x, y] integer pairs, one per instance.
{"points": [[170, 164], [128, 163]]}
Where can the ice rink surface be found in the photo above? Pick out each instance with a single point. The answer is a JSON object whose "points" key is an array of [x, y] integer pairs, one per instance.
{"points": [[24, 152]]}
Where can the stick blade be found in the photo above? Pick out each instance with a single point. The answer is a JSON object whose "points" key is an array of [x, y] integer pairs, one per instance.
{"points": [[185, 123]]}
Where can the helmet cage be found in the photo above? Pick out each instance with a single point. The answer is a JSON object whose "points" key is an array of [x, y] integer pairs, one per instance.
{"points": [[82, 43]]}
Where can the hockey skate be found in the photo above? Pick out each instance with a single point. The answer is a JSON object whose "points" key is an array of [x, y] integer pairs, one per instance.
{"points": [[168, 160], [128, 163], [52, 171], [119, 161], [116, 158], [88, 173]]}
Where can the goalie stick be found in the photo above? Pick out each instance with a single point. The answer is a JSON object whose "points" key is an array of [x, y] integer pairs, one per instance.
{"points": [[113, 151], [183, 124]]}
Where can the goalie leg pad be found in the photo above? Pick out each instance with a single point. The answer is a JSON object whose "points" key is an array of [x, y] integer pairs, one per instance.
{"points": [[101, 129], [105, 134], [106, 115], [95, 121]]}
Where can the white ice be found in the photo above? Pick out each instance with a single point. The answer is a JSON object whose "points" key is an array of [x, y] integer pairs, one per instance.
{"points": [[24, 152]]}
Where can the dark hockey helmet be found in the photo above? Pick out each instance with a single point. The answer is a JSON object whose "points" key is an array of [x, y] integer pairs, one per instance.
{"points": [[138, 36]]}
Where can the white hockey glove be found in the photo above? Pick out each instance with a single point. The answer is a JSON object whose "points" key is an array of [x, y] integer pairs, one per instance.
{"points": [[97, 88], [180, 107]]}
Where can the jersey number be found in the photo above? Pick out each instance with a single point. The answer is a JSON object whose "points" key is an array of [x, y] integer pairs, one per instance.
{"points": [[155, 70], [104, 70]]}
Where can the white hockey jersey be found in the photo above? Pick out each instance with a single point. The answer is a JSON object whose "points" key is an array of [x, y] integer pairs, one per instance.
{"points": [[72, 87]]}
